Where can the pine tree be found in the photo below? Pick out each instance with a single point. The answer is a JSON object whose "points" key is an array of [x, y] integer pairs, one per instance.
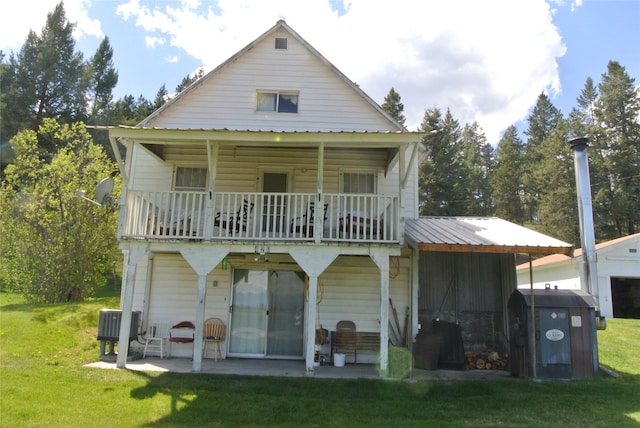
{"points": [[542, 121], [161, 97], [617, 112], [442, 175], [507, 177], [557, 207], [478, 163], [104, 78], [393, 105], [188, 80], [49, 78]]}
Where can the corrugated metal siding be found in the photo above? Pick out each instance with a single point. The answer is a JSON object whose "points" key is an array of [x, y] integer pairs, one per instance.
{"points": [[228, 98]]}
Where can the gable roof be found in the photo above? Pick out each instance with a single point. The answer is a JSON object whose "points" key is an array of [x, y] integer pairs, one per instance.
{"points": [[280, 25], [559, 258], [479, 234]]}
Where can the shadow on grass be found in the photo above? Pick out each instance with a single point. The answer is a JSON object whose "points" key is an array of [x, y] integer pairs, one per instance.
{"points": [[226, 400]]}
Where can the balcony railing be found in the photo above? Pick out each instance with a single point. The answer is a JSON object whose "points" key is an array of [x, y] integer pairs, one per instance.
{"points": [[251, 216]]}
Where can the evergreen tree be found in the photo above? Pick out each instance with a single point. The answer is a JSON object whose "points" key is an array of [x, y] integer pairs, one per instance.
{"points": [[557, 207], [48, 78], [542, 121], [394, 106], [188, 80], [617, 113], [587, 101], [478, 163], [507, 183], [442, 178], [104, 78], [161, 97]]}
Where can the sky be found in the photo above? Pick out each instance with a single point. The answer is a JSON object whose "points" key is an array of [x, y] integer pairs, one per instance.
{"points": [[485, 61]]}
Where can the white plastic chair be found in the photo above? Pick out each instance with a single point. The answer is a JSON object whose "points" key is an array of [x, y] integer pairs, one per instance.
{"points": [[156, 339]]}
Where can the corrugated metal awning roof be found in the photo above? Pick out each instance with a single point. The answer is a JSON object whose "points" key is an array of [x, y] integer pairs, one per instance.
{"points": [[479, 235]]}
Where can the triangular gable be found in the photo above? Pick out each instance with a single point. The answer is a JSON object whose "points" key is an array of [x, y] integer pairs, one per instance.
{"points": [[225, 98]]}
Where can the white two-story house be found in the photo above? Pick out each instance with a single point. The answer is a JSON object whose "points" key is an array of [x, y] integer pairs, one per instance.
{"points": [[272, 194], [275, 195]]}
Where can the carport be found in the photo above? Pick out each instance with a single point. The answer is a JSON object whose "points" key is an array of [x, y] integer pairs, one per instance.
{"points": [[466, 274]]}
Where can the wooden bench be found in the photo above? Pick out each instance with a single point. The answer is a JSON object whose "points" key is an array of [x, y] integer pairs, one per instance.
{"points": [[364, 341]]}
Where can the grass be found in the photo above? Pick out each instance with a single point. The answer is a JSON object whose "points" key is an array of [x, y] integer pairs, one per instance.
{"points": [[43, 384]]}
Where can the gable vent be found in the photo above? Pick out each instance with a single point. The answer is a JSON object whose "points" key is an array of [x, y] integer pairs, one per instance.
{"points": [[281, 43]]}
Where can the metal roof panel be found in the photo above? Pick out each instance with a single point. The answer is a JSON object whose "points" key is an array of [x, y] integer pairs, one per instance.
{"points": [[479, 234]]}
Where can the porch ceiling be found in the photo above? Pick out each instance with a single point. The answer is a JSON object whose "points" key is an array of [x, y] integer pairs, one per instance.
{"points": [[479, 235]]}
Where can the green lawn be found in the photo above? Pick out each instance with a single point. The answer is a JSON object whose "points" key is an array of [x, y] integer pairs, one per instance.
{"points": [[43, 383]]}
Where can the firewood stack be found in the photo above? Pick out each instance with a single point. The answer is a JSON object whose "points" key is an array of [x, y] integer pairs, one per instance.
{"points": [[486, 360]]}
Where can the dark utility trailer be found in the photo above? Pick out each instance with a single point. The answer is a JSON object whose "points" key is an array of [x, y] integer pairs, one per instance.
{"points": [[565, 344]]}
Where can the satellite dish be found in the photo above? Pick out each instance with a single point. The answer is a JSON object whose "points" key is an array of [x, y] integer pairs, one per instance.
{"points": [[103, 192]]}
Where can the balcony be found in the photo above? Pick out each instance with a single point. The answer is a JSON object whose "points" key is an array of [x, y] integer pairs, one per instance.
{"points": [[255, 217]]}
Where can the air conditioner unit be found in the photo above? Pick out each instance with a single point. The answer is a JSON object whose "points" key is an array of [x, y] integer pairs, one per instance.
{"points": [[109, 324]]}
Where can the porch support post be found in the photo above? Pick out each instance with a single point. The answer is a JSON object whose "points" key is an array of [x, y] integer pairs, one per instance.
{"points": [[212, 159], [136, 252], [202, 261], [381, 258], [147, 291], [313, 262], [415, 288], [318, 214]]}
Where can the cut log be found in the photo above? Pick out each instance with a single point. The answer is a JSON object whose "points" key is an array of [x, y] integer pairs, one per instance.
{"points": [[480, 363]]}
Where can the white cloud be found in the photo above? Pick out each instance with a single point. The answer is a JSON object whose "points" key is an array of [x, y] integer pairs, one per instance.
{"points": [[485, 60], [25, 15], [153, 41]]}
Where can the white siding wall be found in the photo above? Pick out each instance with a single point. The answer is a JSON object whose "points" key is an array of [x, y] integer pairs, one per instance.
{"points": [[238, 170], [227, 99], [174, 290], [149, 172], [351, 290]]}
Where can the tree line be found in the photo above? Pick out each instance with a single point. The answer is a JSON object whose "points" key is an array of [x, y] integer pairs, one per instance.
{"points": [[57, 247], [531, 180]]}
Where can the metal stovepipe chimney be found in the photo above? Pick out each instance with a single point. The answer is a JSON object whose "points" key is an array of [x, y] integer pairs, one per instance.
{"points": [[588, 268]]}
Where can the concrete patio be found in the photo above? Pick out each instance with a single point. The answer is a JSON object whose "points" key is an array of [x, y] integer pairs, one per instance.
{"points": [[292, 368]]}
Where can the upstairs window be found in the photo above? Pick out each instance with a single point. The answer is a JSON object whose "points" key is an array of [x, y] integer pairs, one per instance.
{"points": [[281, 102], [358, 182], [190, 178], [281, 43]]}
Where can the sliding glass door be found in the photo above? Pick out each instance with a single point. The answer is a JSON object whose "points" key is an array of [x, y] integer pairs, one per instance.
{"points": [[267, 313]]}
